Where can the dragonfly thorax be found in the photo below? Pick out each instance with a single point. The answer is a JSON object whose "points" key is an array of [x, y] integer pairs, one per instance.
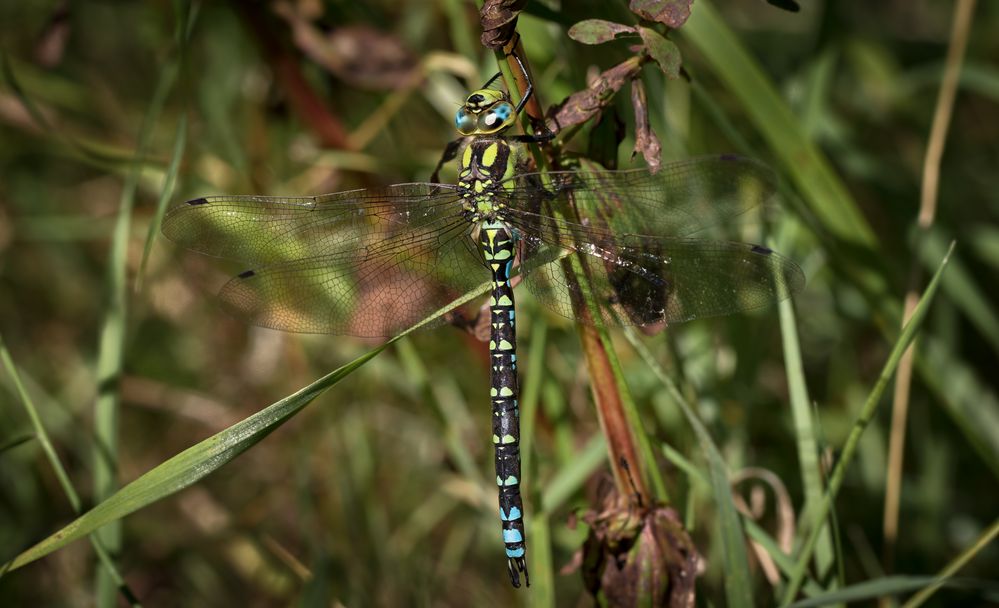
{"points": [[486, 165]]}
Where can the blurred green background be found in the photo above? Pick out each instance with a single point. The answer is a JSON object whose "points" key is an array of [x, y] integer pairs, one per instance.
{"points": [[379, 493]]}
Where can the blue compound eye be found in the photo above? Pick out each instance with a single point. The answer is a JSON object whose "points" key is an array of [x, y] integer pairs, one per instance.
{"points": [[464, 122], [498, 117], [503, 110]]}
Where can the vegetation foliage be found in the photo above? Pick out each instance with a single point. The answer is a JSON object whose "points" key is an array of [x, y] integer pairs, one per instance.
{"points": [[762, 448]]}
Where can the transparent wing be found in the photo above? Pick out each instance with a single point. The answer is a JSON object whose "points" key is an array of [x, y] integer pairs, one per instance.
{"points": [[629, 226], [681, 199], [649, 280], [262, 230], [364, 262]]}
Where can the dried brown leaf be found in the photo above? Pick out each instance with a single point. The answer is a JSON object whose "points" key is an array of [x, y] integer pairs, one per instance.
{"points": [[672, 13], [646, 141], [584, 105], [639, 557]]}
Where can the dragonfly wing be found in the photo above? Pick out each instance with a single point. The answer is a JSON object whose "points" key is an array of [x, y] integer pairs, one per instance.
{"points": [[632, 227], [365, 263], [681, 199], [651, 280], [262, 230]]}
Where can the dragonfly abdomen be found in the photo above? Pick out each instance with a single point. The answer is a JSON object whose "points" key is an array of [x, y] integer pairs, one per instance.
{"points": [[498, 244]]}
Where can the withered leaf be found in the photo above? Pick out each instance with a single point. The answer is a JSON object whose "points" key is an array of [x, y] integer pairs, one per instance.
{"points": [[656, 565], [671, 13], [584, 105], [598, 31], [646, 141]]}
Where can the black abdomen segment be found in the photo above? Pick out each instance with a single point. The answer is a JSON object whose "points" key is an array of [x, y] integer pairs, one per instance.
{"points": [[497, 243]]}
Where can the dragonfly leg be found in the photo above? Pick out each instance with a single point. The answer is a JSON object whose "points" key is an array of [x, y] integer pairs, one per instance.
{"points": [[450, 152], [530, 84], [491, 80], [538, 138]]}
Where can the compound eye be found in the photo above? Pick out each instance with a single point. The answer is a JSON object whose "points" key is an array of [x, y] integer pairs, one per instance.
{"points": [[497, 117], [464, 122]]}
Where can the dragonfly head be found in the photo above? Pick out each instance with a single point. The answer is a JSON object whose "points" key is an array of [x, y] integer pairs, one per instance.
{"points": [[485, 112]]}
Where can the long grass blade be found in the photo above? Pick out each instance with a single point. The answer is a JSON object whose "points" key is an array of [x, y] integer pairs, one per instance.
{"points": [[784, 561], [735, 557], [814, 517], [166, 194], [986, 537], [204, 458], [805, 431], [884, 587], [42, 436]]}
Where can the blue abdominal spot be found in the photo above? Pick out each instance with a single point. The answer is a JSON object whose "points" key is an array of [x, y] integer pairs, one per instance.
{"points": [[514, 514]]}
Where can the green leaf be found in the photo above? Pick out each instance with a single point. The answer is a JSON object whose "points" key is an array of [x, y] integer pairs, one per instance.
{"points": [[664, 51], [598, 31]]}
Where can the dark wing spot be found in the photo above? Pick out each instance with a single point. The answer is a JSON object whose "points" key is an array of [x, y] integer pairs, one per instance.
{"points": [[761, 250], [247, 274], [198, 201]]}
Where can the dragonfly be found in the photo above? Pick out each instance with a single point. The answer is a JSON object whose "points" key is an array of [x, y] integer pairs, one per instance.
{"points": [[373, 262]]}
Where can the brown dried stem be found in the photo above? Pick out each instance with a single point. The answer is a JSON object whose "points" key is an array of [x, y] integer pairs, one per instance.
{"points": [[963, 11]]}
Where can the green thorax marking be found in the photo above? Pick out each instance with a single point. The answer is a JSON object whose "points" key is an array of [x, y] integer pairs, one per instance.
{"points": [[484, 163]]}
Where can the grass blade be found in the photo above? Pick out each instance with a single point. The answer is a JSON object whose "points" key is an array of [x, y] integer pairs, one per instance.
{"points": [[169, 182], [980, 543], [804, 431], [880, 588], [814, 517], [807, 166], [61, 475], [738, 583], [204, 458]]}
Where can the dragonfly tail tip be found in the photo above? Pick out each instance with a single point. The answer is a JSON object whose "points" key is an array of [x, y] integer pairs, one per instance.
{"points": [[517, 565]]}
